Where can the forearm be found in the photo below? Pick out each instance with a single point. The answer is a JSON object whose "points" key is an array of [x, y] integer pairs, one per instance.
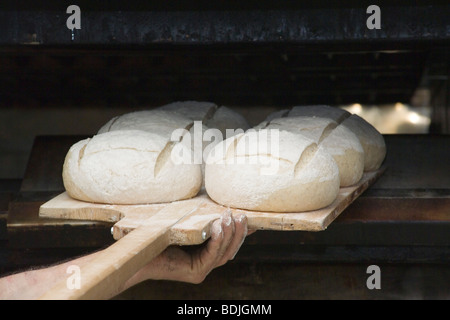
{"points": [[32, 284], [227, 235]]}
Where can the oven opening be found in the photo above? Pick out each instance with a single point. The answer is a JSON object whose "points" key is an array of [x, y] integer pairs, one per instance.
{"points": [[68, 72]]}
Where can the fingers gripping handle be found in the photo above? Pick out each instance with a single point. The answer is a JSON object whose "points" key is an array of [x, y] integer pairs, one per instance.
{"points": [[104, 276]]}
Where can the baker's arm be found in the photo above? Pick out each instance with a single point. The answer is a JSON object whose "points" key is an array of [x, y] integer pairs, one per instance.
{"points": [[227, 235]]}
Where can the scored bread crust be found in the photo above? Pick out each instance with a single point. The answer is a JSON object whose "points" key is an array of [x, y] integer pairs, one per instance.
{"points": [[227, 120], [340, 142], [211, 115], [128, 167], [129, 161], [371, 140], [193, 110], [301, 176], [162, 122]]}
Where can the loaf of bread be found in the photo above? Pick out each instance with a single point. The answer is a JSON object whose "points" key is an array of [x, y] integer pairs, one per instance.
{"points": [[318, 150], [169, 124], [145, 156], [271, 170], [160, 122], [128, 167], [211, 115], [341, 143], [371, 140], [227, 121], [166, 119], [319, 111], [294, 161]]}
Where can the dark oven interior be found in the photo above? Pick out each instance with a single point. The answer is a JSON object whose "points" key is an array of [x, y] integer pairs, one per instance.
{"points": [[255, 57]]}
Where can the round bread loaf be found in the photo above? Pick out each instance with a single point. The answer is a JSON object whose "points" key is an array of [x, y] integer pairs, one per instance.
{"points": [[166, 123], [210, 114], [341, 143], [371, 140], [271, 170], [227, 121], [320, 111], [185, 121], [193, 110], [128, 167], [161, 122]]}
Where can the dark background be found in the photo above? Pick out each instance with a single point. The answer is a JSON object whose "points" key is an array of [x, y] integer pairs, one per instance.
{"points": [[255, 57]]}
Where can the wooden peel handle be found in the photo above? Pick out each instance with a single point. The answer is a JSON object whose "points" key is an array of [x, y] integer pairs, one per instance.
{"points": [[104, 276]]}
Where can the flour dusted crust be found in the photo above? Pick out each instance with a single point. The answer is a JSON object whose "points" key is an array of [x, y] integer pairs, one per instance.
{"points": [[341, 143], [162, 122], [180, 115], [243, 172], [320, 111], [211, 115], [130, 160], [226, 119], [128, 167], [193, 110], [371, 140]]}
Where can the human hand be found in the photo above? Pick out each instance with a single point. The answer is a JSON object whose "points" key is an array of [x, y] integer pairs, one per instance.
{"points": [[192, 266], [185, 264]]}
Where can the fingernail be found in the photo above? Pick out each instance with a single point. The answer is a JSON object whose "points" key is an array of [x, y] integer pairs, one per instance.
{"points": [[216, 229], [240, 218], [227, 218]]}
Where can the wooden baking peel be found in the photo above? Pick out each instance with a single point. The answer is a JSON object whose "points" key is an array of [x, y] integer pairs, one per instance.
{"points": [[144, 231]]}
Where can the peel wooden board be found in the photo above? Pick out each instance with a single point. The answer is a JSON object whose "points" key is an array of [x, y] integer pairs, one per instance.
{"points": [[144, 231], [202, 211]]}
